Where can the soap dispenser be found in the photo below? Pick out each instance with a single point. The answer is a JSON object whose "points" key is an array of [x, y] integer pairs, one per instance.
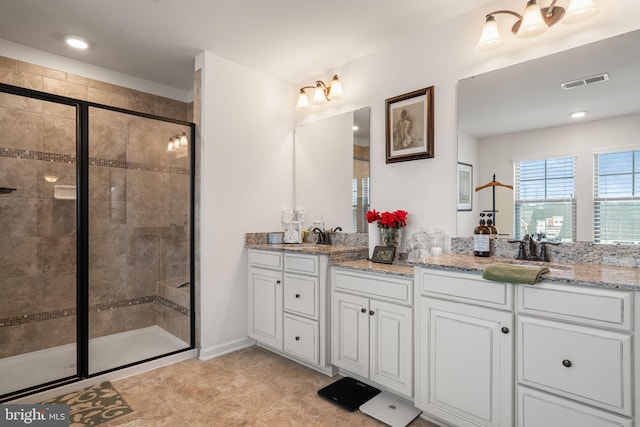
{"points": [[482, 239]]}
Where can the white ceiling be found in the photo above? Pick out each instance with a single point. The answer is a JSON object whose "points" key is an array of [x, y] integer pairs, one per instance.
{"points": [[158, 39]]}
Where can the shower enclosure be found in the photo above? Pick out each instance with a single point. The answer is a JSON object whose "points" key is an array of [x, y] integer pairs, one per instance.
{"points": [[96, 248]]}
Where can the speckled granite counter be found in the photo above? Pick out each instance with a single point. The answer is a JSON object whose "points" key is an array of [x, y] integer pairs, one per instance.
{"points": [[579, 274], [336, 253], [397, 269], [584, 274]]}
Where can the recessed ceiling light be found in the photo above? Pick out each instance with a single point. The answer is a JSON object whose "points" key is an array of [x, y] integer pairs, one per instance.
{"points": [[578, 114], [77, 42]]}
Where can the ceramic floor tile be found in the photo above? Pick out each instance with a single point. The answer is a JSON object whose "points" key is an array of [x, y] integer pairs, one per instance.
{"points": [[251, 388]]}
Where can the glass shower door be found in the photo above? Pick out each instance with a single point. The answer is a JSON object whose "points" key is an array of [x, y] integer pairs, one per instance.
{"points": [[139, 239], [38, 243]]}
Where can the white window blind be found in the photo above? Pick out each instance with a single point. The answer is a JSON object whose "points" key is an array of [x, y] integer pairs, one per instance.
{"points": [[616, 197], [545, 204]]}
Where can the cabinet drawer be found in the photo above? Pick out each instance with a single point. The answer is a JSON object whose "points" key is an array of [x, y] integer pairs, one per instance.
{"points": [[466, 287], [301, 338], [586, 364], [265, 259], [301, 295], [382, 286], [537, 409], [297, 263], [596, 307]]}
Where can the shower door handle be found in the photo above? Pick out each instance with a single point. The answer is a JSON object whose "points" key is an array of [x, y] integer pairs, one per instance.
{"points": [[7, 190]]}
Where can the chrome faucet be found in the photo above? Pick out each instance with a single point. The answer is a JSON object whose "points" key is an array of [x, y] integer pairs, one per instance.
{"points": [[533, 256]]}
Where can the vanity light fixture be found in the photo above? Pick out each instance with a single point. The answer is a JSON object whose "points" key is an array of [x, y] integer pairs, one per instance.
{"points": [[535, 20], [178, 143], [77, 42], [51, 178], [321, 93]]}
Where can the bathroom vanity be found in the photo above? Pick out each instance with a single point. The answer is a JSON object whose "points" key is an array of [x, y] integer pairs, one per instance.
{"points": [[289, 301], [467, 351], [558, 353]]}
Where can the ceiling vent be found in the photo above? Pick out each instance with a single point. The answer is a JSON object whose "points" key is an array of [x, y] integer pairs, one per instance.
{"points": [[585, 81]]}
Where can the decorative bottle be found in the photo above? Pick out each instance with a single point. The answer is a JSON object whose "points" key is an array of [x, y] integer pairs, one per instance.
{"points": [[494, 230], [482, 239]]}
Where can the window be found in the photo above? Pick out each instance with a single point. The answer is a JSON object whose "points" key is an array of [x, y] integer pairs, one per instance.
{"points": [[545, 204], [616, 196]]}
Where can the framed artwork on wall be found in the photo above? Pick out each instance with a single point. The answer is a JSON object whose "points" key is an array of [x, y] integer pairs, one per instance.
{"points": [[465, 186], [409, 126]]}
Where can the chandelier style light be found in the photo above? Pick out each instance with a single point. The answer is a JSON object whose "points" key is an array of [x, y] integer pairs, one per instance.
{"points": [[321, 93], [535, 20]]}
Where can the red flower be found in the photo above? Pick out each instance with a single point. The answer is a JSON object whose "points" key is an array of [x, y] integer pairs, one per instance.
{"points": [[397, 219], [373, 215], [401, 217]]}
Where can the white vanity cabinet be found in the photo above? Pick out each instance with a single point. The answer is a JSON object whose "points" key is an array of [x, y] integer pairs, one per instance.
{"points": [[372, 327], [574, 356], [464, 349], [265, 297], [289, 305]]}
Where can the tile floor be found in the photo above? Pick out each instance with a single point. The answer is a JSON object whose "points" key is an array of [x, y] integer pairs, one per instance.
{"points": [[250, 387]]}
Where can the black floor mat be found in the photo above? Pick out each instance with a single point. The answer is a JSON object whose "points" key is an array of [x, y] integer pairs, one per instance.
{"points": [[348, 393]]}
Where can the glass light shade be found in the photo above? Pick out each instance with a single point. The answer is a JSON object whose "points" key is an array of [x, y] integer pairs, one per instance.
{"points": [[579, 11], [532, 22], [490, 37], [318, 95], [170, 146], [335, 91], [183, 140], [51, 178], [303, 101]]}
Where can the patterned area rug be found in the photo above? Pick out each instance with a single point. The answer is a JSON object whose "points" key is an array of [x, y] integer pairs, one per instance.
{"points": [[93, 406]]}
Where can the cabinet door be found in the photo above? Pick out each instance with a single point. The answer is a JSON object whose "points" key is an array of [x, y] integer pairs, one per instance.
{"points": [[391, 350], [265, 306], [467, 358], [350, 333]]}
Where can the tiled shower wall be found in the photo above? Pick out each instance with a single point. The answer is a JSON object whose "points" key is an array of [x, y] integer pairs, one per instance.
{"points": [[138, 213]]}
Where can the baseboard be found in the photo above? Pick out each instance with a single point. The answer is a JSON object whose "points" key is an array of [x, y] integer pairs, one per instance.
{"points": [[228, 347]]}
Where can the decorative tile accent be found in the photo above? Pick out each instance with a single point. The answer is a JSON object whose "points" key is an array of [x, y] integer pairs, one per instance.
{"points": [[14, 153], [94, 308]]}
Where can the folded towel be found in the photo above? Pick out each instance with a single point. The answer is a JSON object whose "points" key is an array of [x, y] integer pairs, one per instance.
{"points": [[513, 273]]}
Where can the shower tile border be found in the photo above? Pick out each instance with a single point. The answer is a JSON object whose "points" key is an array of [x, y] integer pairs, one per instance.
{"points": [[16, 153], [94, 308]]}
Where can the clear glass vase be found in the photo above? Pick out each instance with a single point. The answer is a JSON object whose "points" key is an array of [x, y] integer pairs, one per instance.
{"points": [[391, 236]]}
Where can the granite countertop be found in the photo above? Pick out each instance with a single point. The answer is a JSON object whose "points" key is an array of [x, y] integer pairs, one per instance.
{"points": [[599, 275], [335, 252]]}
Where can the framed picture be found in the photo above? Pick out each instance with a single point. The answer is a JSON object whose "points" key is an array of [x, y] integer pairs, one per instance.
{"points": [[465, 186], [383, 254], [409, 126]]}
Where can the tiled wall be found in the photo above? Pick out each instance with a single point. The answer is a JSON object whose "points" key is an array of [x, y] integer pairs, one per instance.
{"points": [[138, 212]]}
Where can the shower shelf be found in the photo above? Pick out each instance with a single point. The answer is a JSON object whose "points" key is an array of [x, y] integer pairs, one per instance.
{"points": [[64, 192]]}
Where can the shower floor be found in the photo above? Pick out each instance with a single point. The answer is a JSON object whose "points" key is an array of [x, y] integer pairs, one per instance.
{"points": [[108, 352]]}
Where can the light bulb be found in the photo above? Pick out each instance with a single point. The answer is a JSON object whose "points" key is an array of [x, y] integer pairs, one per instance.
{"points": [[303, 101], [318, 94], [335, 91], [532, 22], [490, 37]]}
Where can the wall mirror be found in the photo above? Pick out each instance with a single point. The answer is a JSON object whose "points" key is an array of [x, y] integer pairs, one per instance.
{"points": [[331, 170], [522, 113]]}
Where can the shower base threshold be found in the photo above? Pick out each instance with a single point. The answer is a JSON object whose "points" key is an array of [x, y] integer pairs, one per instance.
{"points": [[108, 352]]}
